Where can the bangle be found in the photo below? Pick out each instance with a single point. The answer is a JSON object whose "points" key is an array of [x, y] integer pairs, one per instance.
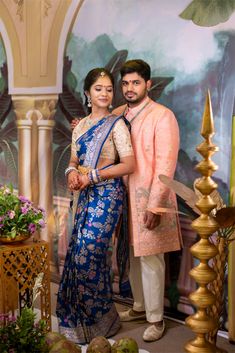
{"points": [[94, 176], [69, 169], [99, 177], [90, 177]]}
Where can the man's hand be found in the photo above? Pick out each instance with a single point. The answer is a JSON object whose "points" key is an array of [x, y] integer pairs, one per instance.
{"points": [[74, 122], [151, 220]]}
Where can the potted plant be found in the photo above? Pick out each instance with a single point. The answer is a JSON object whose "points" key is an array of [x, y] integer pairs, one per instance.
{"points": [[22, 334], [19, 218]]}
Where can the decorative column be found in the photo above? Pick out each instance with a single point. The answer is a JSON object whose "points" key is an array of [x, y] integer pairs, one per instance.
{"points": [[24, 156], [35, 122], [204, 250], [45, 107], [45, 172]]}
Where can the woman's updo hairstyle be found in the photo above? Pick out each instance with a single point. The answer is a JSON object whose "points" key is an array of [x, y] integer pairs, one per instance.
{"points": [[92, 77]]}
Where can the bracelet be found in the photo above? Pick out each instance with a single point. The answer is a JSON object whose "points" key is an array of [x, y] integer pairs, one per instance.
{"points": [[90, 178], [94, 176], [99, 177], [69, 169]]}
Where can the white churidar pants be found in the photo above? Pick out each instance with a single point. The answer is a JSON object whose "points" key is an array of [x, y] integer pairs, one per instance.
{"points": [[147, 280]]}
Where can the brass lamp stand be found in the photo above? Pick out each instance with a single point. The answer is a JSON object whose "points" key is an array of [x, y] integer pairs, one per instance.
{"points": [[205, 225]]}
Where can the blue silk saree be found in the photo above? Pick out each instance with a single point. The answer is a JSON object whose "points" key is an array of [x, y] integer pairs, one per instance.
{"points": [[85, 308]]}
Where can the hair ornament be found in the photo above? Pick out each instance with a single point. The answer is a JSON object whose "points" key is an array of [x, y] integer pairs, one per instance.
{"points": [[102, 74]]}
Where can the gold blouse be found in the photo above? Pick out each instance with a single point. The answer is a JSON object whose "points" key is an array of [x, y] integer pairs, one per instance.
{"points": [[117, 144]]}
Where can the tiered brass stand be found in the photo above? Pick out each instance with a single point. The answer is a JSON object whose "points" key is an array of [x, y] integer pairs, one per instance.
{"points": [[201, 323], [19, 266]]}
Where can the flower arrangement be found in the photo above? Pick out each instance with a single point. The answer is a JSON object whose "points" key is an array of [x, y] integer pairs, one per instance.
{"points": [[22, 334], [18, 216]]}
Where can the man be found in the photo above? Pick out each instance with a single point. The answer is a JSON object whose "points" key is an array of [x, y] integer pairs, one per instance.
{"points": [[153, 222]]}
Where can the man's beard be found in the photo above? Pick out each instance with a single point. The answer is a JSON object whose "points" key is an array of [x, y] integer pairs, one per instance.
{"points": [[135, 99]]}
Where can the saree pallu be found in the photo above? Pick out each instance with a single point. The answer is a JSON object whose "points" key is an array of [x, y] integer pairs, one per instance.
{"points": [[85, 308]]}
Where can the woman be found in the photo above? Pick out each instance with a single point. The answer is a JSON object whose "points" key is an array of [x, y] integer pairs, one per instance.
{"points": [[101, 154]]}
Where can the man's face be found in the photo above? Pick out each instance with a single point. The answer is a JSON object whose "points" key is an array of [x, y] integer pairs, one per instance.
{"points": [[134, 88]]}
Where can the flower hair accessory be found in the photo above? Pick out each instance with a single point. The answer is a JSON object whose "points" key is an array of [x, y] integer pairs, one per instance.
{"points": [[102, 74]]}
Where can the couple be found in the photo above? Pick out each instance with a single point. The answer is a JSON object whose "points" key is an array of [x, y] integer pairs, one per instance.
{"points": [[102, 152]]}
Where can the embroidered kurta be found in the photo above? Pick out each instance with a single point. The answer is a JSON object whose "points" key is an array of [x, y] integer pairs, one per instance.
{"points": [[155, 140]]}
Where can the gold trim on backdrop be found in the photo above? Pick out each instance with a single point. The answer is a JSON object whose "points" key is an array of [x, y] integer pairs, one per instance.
{"points": [[231, 254]]}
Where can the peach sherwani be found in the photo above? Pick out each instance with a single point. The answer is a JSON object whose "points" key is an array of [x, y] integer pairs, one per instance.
{"points": [[155, 140]]}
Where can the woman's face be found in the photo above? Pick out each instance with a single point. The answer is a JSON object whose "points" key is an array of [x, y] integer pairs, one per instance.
{"points": [[101, 92]]}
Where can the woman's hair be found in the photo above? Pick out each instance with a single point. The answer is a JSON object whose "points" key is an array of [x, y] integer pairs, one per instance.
{"points": [[93, 76], [139, 66]]}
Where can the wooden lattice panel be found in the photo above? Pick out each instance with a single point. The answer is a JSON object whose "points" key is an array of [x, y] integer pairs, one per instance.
{"points": [[19, 266]]}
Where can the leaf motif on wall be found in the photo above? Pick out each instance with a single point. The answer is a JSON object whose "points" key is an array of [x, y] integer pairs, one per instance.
{"points": [[116, 62], [9, 132], [158, 86], [11, 156], [5, 105], [208, 13], [61, 134], [187, 194], [61, 159]]}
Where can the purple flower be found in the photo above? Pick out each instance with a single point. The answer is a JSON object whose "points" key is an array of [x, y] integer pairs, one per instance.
{"points": [[41, 223], [23, 199], [24, 210], [1, 218], [11, 214], [32, 227], [41, 209], [1, 225]]}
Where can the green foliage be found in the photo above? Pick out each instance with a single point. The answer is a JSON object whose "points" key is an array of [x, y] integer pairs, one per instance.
{"points": [[208, 13], [22, 334], [18, 216]]}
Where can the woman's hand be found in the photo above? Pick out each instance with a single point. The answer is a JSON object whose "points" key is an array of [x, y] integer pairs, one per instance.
{"points": [[74, 180], [84, 181]]}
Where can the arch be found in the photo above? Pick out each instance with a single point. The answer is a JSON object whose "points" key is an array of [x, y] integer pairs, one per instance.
{"points": [[24, 75]]}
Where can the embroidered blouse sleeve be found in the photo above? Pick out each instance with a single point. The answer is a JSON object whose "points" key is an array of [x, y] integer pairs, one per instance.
{"points": [[75, 135], [122, 139]]}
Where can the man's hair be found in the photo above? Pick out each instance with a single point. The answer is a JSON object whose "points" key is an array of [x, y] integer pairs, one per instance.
{"points": [[137, 65]]}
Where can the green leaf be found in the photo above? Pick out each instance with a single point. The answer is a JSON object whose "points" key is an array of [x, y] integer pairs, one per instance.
{"points": [[208, 13]]}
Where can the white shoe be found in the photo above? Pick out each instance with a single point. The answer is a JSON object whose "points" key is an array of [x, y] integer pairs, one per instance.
{"points": [[153, 333], [130, 315]]}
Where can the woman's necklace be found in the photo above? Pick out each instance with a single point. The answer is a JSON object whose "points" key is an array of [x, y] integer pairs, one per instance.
{"points": [[90, 121], [135, 116]]}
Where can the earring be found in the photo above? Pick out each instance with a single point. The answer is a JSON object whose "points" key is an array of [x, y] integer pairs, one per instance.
{"points": [[89, 102], [110, 107]]}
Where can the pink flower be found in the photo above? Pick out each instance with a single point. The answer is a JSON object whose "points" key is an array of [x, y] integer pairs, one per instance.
{"points": [[11, 214], [23, 199], [32, 227], [24, 210], [41, 223]]}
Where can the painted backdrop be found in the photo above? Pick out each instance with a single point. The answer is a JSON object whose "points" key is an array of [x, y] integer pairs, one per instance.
{"points": [[190, 46]]}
